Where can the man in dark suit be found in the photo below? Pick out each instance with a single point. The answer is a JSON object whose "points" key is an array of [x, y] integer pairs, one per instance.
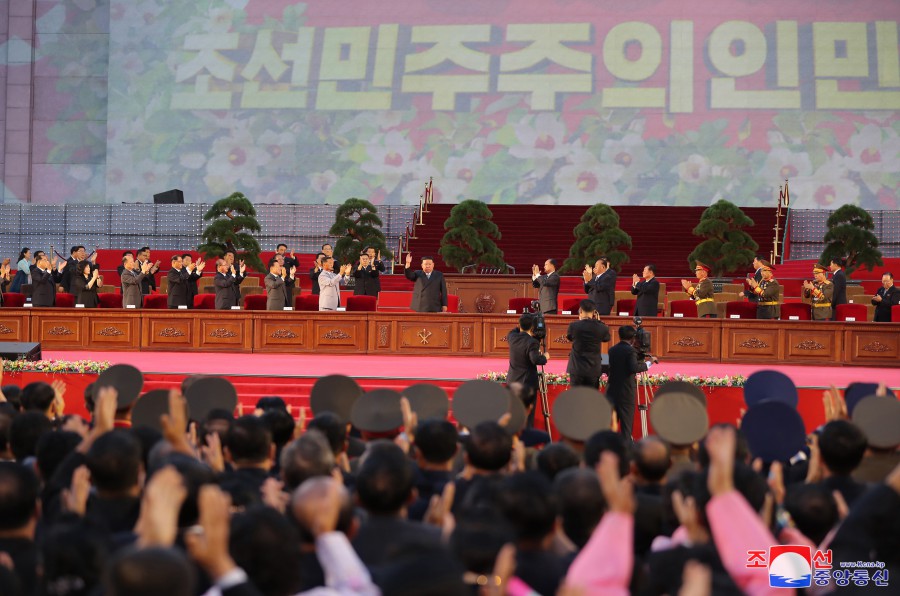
{"points": [[178, 283], [366, 274], [757, 277], [121, 267], [239, 273], [548, 284], [647, 292], [600, 285], [587, 335], [276, 293], [375, 259], [289, 259], [525, 354], [195, 273], [76, 254], [43, 281], [224, 282], [888, 295], [622, 387], [430, 291], [315, 272], [839, 279], [148, 283]]}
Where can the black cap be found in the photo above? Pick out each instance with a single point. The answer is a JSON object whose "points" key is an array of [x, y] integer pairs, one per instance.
{"points": [[774, 431], [682, 387], [427, 401], [770, 385], [335, 394], [879, 419], [127, 381], [855, 392], [580, 412], [150, 407], [211, 393], [478, 401], [679, 418], [377, 411]]}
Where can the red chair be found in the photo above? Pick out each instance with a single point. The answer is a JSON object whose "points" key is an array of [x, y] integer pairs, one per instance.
{"points": [[255, 301], [795, 309], [520, 305], [743, 310], [205, 302], [626, 306], [452, 303], [572, 305], [895, 314], [156, 301], [857, 312], [13, 300], [686, 308], [110, 300], [64, 300], [307, 302], [361, 303]]}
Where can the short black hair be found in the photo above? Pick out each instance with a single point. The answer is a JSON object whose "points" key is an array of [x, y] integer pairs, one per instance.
{"points": [[127, 252], [627, 332], [332, 428], [150, 572], [556, 458], [385, 480], [436, 440], [81, 266], [144, 249], [187, 255], [587, 306], [228, 251], [489, 446], [115, 461], [651, 267], [526, 321], [480, 532], [428, 258], [249, 440], [74, 249], [581, 503], [839, 261], [604, 259], [25, 431], [326, 244], [271, 402], [606, 440], [889, 274], [266, 546], [37, 397], [320, 254], [527, 502], [306, 457], [813, 510], [52, 449], [554, 263], [19, 490], [175, 258], [281, 425], [272, 261], [842, 446], [280, 245]]}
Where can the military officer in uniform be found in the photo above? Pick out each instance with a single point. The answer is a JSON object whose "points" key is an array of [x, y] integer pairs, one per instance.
{"points": [[768, 291], [820, 292], [702, 293]]}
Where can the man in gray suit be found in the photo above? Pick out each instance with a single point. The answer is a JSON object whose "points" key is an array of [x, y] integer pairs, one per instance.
{"points": [[548, 284], [330, 284], [430, 291], [276, 288], [131, 281]]}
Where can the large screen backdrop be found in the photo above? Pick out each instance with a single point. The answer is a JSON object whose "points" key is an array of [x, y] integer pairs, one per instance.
{"points": [[645, 102]]}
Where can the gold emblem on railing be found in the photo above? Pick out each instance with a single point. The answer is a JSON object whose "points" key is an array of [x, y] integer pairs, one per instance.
{"points": [[424, 334]]}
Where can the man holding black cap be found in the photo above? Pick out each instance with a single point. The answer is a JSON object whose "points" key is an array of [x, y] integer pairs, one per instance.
{"points": [[525, 354], [548, 284], [587, 335], [622, 387]]}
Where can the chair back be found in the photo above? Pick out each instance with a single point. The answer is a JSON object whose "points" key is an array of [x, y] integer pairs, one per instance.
{"points": [[857, 312], [626, 306], [520, 305], [743, 310], [686, 308], [108, 300], [156, 301], [13, 300], [361, 303], [452, 303], [795, 309], [65, 300], [205, 301], [255, 302]]}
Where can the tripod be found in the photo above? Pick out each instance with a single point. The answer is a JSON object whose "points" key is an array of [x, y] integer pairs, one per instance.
{"points": [[644, 399], [542, 394]]}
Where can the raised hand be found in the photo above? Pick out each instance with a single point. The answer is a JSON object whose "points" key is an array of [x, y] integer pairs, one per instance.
{"points": [[408, 260], [685, 284], [635, 278], [61, 267], [163, 497], [293, 270], [720, 444], [535, 270], [243, 267], [619, 492], [292, 253], [208, 544]]}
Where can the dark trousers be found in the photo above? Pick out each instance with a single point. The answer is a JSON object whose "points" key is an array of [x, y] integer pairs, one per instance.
{"points": [[624, 408], [584, 381]]}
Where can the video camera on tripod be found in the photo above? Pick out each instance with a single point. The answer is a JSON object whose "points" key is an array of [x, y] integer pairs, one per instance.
{"points": [[539, 330], [642, 340]]}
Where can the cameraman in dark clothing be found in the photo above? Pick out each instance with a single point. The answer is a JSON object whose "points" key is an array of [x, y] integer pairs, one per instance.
{"points": [[621, 391], [587, 335], [525, 354]]}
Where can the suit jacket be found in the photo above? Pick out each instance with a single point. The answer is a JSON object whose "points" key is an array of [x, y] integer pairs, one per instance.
{"points": [[3, 285], [225, 284], [524, 358], [839, 279], [148, 283], [368, 282], [178, 287], [329, 290], [889, 298], [549, 290], [192, 289], [587, 337], [429, 295], [83, 294], [602, 291], [314, 276], [748, 292], [131, 287], [276, 293], [647, 292], [623, 365], [43, 285], [68, 274]]}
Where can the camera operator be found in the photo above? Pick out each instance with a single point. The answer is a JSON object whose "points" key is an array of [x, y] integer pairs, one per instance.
{"points": [[625, 361], [525, 354], [548, 284], [587, 335]]}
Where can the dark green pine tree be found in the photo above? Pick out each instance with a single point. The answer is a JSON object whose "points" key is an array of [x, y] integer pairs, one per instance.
{"points": [[471, 237], [356, 227], [598, 235], [727, 247], [850, 236], [233, 219]]}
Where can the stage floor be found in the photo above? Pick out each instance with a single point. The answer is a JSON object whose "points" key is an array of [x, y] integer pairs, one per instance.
{"points": [[424, 368]]}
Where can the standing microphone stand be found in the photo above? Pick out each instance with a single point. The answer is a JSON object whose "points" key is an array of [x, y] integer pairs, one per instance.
{"points": [[542, 392], [644, 399]]}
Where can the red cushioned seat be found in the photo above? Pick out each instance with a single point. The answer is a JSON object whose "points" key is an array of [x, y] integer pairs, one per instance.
{"points": [[156, 301], [306, 302], [857, 312], [744, 310], [520, 305], [895, 314], [452, 303], [110, 300], [686, 308], [795, 309], [572, 305], [205, 301], [626, 306], [13, 300], [255, 302], [64, 300], [361, 303]]}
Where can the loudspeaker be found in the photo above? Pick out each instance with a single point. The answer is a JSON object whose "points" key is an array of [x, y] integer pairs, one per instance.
{"points": [[170, 197], [20, 351]]}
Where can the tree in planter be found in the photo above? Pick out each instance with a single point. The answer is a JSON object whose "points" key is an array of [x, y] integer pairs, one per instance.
{"points": [[727, 246], [233, 219], [357, 226], [470, 237], [598, 235], [850, 236]]}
